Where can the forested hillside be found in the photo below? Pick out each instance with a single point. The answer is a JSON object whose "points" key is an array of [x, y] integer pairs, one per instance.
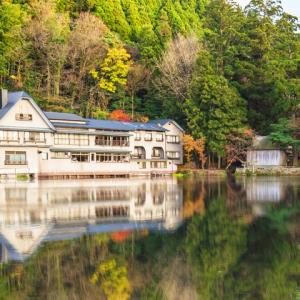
{"points": [[213, 67]]}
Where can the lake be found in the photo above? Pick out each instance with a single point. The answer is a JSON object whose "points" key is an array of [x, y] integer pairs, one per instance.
{"points": [[161, 238]]}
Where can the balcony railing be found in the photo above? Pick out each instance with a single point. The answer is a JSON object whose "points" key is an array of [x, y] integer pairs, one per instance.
{"points": [[16, 162], [35, 141], [112, 143], [138, 156], [160, 156], [9, 141]]}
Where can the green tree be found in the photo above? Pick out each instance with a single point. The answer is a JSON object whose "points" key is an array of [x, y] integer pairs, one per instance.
{"points": [[214, 108], [12, 18]]}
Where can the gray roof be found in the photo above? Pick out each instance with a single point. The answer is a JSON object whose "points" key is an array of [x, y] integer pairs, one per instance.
{"points": [[13, 98], [147, 126], [62, 116], [112, 125], [162, 122]]}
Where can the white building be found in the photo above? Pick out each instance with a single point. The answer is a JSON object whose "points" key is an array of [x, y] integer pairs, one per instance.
{"points": [[51, 144]]}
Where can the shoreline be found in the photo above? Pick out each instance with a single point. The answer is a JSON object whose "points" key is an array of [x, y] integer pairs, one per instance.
{"points": [[259, 171]]}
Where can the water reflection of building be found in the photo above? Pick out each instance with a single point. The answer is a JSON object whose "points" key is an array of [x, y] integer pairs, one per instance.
{"points": [[265, 189], [31, 213]]}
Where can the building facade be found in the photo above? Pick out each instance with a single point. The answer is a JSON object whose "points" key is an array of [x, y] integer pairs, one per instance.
{"points": [[264, 153], [46, 144]]}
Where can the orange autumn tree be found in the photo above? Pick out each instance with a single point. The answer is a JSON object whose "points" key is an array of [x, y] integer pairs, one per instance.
{"points": [[119, 115], [190, 146]]}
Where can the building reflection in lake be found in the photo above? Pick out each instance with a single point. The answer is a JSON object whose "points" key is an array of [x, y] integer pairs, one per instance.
{"points": [[31, 213]]}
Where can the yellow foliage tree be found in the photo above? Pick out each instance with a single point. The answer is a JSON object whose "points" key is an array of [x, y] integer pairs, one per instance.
{"points": [[113, 280], [188, 146], [198, 146], [114, 70]]}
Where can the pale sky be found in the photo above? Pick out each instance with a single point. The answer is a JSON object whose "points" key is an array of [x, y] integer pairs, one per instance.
{"points": [[290, 6]]}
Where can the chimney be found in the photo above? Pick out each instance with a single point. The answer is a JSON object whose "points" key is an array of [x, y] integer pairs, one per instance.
{"points": [[3, 98]]}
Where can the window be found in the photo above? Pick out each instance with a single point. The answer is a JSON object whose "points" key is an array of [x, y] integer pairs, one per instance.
{"points": [[158, 164], [102, 140], [173, 139], [142, 165], [139, 152], [15, 158], [137, 136], [105, 140], [34, 137], [159, 137], [12, 136], [173, 154], [109, 157], [79, 157], [120, 141], [60, 155], [71, 139], [148, 137], [23, 117], [157, 152]]}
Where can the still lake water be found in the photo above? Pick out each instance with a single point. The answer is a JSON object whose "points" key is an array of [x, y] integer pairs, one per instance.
{"points": [[163, 238]]}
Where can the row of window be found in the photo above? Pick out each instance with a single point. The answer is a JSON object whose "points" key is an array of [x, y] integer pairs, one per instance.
{"points": [[83, 140], [96, 157], [105, 140], [71, 139], [19, 158], [14, 136], [149, 137]]}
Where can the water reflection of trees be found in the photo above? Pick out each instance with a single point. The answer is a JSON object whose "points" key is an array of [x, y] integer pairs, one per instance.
{"points": [[233, 260]]}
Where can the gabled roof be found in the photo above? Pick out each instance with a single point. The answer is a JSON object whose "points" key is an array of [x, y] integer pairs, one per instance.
{"points": [[63, 116], [15, 97], [163, 122]]}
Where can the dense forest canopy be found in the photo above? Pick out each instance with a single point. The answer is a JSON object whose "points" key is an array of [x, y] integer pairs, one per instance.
{"points": [[210, 65]]}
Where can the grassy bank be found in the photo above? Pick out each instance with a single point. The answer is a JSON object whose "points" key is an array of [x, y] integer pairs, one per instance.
{"points": [[269, 171], [199, 172]]}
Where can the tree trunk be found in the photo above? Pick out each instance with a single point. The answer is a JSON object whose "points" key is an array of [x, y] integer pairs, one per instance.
{"points": [[219, 162], [132, 106], [48, 81], [295, 158]]}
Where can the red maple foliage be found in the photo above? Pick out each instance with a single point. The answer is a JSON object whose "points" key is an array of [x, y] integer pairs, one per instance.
{"points": [[119, 115]]}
